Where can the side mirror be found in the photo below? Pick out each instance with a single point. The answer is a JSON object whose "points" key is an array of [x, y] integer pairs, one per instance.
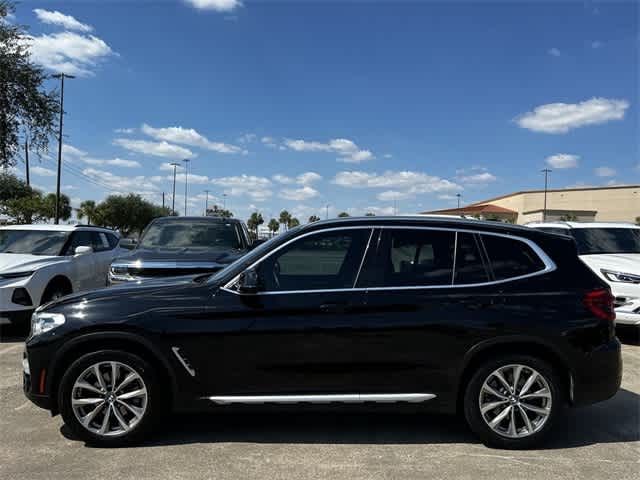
{"points": [[83, 250], [249, 281]]}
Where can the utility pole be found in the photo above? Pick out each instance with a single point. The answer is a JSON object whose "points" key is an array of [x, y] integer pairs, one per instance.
{"points": [[61, 76], [186, 181], [224, 201], [26, 160], [327, 212], [162, 200], [458, 195], [206, 202], [173, 197], [546, 172]]}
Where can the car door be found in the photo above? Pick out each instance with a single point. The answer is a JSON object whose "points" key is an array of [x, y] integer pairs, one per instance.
{"points": [[418, 324], [103, 254], [82, 266], [294, 336]]}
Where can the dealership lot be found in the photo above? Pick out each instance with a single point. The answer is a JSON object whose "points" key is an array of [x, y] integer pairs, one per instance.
{"points": [[602, 441]]}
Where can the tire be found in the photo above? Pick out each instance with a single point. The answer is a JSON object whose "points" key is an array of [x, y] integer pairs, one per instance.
{"points": [[521, 432], [54, 291], [127, 406]]}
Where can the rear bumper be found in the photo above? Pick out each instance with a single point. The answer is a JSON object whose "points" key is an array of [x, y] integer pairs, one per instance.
{"points": [[599, 375]]}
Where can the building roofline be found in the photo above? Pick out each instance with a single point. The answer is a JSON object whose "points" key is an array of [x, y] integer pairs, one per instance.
{"points": [[551, 190]]}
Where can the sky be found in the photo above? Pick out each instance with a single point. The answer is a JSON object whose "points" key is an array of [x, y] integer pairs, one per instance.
{"points": [[360, 106]]}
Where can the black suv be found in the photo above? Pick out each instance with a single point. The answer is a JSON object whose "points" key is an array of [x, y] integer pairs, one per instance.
{"points": [[503, 324], [173, 246]]}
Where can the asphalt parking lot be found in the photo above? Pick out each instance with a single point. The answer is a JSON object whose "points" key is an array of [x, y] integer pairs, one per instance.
{"points": [[597, 442]]}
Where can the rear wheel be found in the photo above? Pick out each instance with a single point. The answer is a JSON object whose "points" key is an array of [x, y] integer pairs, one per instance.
{"points": [[110, 398], [512, 402]]}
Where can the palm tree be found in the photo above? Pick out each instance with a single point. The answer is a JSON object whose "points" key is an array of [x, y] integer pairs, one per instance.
{"points": [[369, 214], [274, 226], [313, 218], [87, 209], [293, 222], [254, 222], [343, 214], [285, 218]]}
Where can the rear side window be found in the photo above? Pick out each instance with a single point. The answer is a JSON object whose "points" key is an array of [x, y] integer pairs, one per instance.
{"points": [[113, 240], [469, 265], [412, 258], [510, 257]]}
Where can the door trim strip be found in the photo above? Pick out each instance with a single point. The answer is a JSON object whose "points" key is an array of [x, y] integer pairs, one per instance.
{"points": [[327, 398]]}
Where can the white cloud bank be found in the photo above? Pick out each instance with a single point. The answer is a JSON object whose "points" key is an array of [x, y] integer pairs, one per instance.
{"points": [[62, 20], [215, 5], [346, 149], [157, 149], [190, 137], [562, 160]]}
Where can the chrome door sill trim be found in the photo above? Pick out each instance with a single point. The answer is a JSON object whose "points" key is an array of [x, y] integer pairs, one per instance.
{"points": [[331, 398]]}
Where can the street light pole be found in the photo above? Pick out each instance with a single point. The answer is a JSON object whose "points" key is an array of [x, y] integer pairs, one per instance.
{"points": [[206, 202], [458, 195], [186, 181], [61, 76], [327, 212], [546, 172], [173, 196]]}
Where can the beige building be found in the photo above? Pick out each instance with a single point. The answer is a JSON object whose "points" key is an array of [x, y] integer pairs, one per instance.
{"points": [[587, 204]]}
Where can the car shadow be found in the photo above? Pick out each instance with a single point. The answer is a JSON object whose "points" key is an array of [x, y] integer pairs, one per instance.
{"points": [[614, 421]]}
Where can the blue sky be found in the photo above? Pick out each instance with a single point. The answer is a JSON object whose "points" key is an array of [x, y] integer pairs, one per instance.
{"points": [[359, 105]]}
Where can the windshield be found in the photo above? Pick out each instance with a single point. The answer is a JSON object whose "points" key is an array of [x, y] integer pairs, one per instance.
{"points": [[33, 242], [607, 240], [193, 235]]}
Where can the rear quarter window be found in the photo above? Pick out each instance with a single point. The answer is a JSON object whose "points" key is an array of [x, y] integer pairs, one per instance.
{"points": [[509, 257]]}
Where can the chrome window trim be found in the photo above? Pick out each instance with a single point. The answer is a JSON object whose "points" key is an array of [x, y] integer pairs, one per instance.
{"points": [[157, 264], [323, 398], [549, 265]]}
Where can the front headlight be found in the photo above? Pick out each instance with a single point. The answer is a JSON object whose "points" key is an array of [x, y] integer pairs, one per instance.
{"points": [[620, 277], [43, 322]]}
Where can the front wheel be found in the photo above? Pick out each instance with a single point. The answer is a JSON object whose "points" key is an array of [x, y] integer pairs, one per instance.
{"points": [[511, 402], [110, 398]]}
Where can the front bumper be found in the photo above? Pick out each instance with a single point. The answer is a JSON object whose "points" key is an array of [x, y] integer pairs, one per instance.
{"points": [[599, 374]]}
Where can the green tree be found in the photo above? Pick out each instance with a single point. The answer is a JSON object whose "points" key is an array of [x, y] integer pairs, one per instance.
{"points": [[128, 213], [314, 218], [87, 209], [254, 221], [274, 226], [369, 214], [285, 218], [25, 107], [48, 207], [25, 209], [11, 187], [216, 211], [293, 222], [343, 214]]}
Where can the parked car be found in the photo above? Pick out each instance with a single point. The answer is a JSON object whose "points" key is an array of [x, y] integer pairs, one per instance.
{"points": [[502, 323], [173, 246], [612, 251], [40, 263]]}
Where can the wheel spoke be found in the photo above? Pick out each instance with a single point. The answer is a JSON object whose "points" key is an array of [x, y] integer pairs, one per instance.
{"points": [[86, 401], [96, 372], [86, 420], [543, 393], [500, 417], [529, 383], [516, 376], [504, 382], [490, 406], [540, 411], [114, 375], [105, 421], [127, 380], [525, 417], [512, 423], [132, 394], [123, 423], [88, 386], [135, 410], [493, 392]]}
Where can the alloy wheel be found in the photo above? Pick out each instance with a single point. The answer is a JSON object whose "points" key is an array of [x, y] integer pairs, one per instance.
{"points": [[109, 398], [515, 401]]}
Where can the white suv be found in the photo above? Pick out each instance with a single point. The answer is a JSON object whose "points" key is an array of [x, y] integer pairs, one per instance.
{"points": [[39, 263], [612, 251]]}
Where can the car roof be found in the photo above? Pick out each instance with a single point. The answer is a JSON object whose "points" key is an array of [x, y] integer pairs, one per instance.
{"points": [[56, 228], [569, 225], [196, 218]]}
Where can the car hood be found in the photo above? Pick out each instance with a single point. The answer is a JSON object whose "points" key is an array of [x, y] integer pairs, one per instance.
{"points": [[180, 256], [618, 262], [18, 262]]}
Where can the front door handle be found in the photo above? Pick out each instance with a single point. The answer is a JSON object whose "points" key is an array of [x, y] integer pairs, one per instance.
{"points": [[333, 307]]}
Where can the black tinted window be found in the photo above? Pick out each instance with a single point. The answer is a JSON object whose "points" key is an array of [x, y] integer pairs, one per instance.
{"points": [[412, 258], [82, 238], [113, 240], [510, 258], [469, 266], [607, 240], [195, 235], [322, 261]]}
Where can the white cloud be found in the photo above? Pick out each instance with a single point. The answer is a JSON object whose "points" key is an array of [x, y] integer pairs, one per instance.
{"points": [[157, 149], [407, 182], [305, 178], [125, 131], [391, 195], [258, 188], [116, 162], [168, 167], [68, 52], [62, 20], [390, 210], [269, 142], [475, 176], [562, 160], [346, 150], [554, 52], [605, 172], [280, 178], [247, 138], [215, 5], [562, 117], [138, 184], [72, 151], [189, 136], [42, 172], [192, 178], [303, 193]]}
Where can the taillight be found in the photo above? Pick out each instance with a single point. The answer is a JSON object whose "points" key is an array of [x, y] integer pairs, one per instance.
{"points": [[600, 303]]}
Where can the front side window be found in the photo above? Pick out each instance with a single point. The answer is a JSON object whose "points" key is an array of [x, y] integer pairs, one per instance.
{"points": [[607, 240], [198, 235], [408, 257], [81, 238], [510, 257], [32, 242], [328, 260]]}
